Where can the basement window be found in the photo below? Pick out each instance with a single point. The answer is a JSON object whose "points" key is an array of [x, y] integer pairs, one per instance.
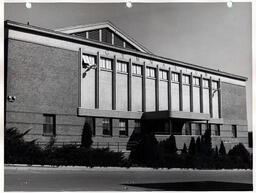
{"points": [[49, 125]]}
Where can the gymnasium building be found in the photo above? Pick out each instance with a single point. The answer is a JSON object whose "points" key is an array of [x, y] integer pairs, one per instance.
{"points": [[58, 80]]}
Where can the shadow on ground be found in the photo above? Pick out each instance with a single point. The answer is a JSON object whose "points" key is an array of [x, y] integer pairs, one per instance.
{"points": [[196, 186]]}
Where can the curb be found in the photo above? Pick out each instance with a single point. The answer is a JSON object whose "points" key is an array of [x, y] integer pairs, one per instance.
{"points": [[85, 168]]}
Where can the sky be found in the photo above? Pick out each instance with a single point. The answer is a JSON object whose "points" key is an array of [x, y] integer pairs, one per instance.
{"points": [[207, 34]]}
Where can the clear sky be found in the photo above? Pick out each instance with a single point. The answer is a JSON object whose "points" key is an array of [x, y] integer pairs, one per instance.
{"points": [[206, 34]]}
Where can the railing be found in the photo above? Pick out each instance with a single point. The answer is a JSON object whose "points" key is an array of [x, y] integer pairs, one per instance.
{"points": [[117, 146]]}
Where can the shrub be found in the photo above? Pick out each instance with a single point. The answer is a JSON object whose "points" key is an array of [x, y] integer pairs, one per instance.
{"points": [[169, 145], [206, 143], [198, 145], [86, 136], [146, 152], [222, 150], [240, 154], [17, 150], [192, 146], [184, 149]]}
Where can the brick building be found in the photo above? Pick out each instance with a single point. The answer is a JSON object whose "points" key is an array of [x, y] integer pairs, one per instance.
{"points": [[58, 80]]}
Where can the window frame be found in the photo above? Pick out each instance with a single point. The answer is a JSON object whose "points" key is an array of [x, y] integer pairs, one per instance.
{"points": [[123, 128], [137, 69], [120, 66], [162, 76], [196, 81], [52, 125], [175, 77], [150, 72], [234, 131], [110, 129], [186, 79], [105, 67]]}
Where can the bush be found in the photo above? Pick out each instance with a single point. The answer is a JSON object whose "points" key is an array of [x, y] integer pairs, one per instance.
{"points": [[169, 145], [240, 154], [192, 146], [146, 152], [222, 150], [17, 150], [86, 140]]}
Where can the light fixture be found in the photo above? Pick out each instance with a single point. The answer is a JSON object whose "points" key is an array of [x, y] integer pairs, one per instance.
{"points": [[28, 5], [229, 4], [129, 4]]}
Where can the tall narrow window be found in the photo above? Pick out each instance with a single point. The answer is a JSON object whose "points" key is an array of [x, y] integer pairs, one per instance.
{"points": [[121, 66], [163, 75], [106, 63], [206, 83], [186, 79], [151, 72], [49, 126], [136, 69], [107, 126], [234, 131], [195, 81], [175, 77], [123, 127]]}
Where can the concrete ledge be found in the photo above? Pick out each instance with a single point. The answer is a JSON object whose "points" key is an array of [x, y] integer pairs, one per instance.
{"points": [[108, 113]]}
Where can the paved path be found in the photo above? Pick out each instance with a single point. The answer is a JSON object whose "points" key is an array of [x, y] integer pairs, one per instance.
{"points": [[122, 179]]}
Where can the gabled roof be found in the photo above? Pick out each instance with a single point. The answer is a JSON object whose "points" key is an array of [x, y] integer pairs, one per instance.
{"points": [[110, 26]]}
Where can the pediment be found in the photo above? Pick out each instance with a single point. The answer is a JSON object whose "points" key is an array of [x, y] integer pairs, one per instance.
{"points": [[106, 33]]}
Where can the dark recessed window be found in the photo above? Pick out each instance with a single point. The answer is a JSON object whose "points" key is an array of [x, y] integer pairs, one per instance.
{"points": [[118, 41], [107, 126], [175, 77], [81, 34], [49, 125], [123, 127], [198, 129], [216, 130], [151, 72], [136, 69], [106, 35], [163, 74], [94, 35], [234, 131], [106, 63], [129, 46], [187, 128], [122, 66]]}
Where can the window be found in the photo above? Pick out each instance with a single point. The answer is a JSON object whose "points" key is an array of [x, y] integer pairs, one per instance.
{"points": [[234, 131], [94, 35], [106, 35], [214, 85], [88, 59], [107, 126], [151, 72], [216, 130], [175, 77], [136, 69], [206, 83], [123, 127], [196, 81], [187, 129], [163, 75], [49, 126], [122, 66], [106, 63], [198, 129], [118, 41], [186, 79]]}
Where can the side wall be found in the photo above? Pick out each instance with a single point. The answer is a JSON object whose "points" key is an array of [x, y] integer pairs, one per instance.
{"points": [[233, 98]]}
